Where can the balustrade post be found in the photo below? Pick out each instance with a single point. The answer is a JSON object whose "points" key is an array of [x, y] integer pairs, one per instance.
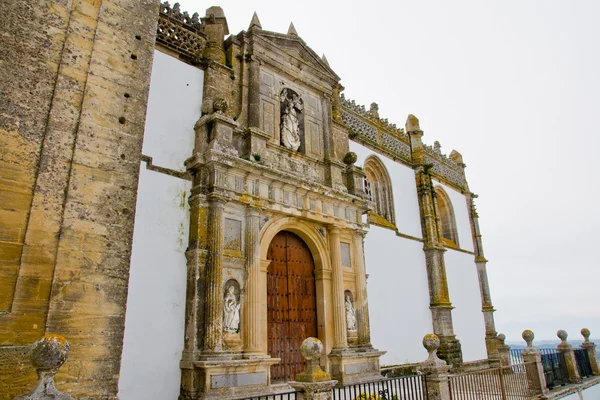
{"points": [[567, 350], [533, 365], [591, 349], [503, 350], [313, 383], [435, 369]]}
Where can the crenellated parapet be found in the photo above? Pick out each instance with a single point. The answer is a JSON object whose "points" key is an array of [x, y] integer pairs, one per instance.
{"points": [[181, 32], [368, 127]]}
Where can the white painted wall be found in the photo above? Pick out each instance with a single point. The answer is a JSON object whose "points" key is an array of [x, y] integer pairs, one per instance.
{"points": [[461, 214], [173, 108], [463, 285], [155, 318], [398, 296], [406, 202]]}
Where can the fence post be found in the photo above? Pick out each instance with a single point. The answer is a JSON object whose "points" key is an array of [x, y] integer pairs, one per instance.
{"points": [[436, 370], [503, 350], [47, 355], [591, 349], [532, 358], [313, 383], [569, 354]]}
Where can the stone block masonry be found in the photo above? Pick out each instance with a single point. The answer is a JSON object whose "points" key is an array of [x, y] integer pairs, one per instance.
{"points": [[74, 80]]}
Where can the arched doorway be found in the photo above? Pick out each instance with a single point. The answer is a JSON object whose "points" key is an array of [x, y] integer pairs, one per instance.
{"points": [[291, 303]]}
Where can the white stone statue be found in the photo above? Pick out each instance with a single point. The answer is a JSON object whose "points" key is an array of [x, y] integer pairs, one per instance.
{"points": [[231, 311], [290, 127], [350, 315]]}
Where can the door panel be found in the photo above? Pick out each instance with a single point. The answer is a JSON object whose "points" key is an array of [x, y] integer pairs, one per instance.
{"points": [[291, 302]]}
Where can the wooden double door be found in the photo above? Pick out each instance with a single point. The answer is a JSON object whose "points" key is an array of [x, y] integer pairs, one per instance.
{"points": [[291, 303]]}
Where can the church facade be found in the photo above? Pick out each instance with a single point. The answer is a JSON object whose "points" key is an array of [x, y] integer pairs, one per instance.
{"points": [[188, 206]]}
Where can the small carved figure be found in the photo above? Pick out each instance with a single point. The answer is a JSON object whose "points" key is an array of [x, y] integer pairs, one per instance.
{"points": [[290, 127], [231, 311], [350, 315]]}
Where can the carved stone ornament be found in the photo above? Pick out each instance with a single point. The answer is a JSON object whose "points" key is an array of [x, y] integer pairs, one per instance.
{"points": [[291, 108], [350, 314], [220, 105], [231, 308]]}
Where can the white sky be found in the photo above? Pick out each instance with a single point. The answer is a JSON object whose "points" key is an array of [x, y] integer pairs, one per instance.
{"points": [[514, 86]]}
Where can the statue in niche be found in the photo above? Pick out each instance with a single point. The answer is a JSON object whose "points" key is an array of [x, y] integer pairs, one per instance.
{"points": [[231, 311], [350, 314], [291, 106]]}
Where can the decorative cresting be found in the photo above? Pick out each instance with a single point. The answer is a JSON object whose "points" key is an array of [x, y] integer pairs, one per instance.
{"points": [[180, 32], [366, 125], [47, 355], [591, 349]]}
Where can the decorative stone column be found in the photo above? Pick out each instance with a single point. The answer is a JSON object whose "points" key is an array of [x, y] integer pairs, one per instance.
{"points": [[213, 305], [484, 288], [339, 311], [47, 355], [313, 383], [435, 369], [591, 349], [503, 351], [567, 350], [533, 365], [361, 303], [251, 329]]}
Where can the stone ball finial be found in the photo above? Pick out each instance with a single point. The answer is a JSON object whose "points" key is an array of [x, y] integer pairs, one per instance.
{"points": [[431, 343], [501, 337], [528, 336], [49, 353], [562, 335], [220, 105], [585, 332], [311, 348], [412, 124], [350, 158]]}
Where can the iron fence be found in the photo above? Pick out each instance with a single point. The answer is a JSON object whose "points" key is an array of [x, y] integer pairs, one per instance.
{"points": [[583, 363], [504, 383], [515, 356], [401, 388], [555, 368], [277, 396]]}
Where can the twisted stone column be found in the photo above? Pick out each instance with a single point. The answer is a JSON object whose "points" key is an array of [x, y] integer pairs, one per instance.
{"points": [[251, 331], [361, 304], [340, 339], [214, 276]]}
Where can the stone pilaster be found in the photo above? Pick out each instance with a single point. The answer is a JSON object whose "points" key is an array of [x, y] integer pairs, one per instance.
{"points": [[360, 302], [532, 358], [213, 306], [567, 350], [591, 349], [439, 298], [339, 312], [484, 288], [251, 330]]}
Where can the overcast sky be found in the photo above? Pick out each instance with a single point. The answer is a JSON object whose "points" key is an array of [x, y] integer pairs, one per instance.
{"points": [[514, 86]]}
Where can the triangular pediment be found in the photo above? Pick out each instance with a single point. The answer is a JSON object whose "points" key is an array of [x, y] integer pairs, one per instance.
{"points": [[297, 48]]}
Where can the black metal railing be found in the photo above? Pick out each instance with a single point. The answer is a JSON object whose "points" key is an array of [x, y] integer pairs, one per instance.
{"points": [[515, 356], [401, 388], [583, 363], [277, 396], [504, 383], [555, 368]]}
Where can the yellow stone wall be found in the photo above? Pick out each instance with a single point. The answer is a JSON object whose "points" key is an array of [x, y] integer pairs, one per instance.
{"points": [[74, 78]]}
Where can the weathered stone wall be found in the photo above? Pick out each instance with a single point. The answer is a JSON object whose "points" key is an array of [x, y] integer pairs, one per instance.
{"points": [[74, 79]]}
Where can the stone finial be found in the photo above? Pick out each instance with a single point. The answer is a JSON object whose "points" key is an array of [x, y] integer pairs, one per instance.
{"points": [[374, 109], [437, 147], [325, 59], [501, 338], [562, 335], [585, 332], [311, 349], [292, 30], [47, 355], [457, 157], [528, 336], [350, 158], [412, 124], [431, 343], [255, 23]]}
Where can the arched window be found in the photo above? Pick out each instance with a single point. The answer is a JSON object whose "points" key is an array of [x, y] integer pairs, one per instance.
{"points": [[378, 187], [446, 214]]}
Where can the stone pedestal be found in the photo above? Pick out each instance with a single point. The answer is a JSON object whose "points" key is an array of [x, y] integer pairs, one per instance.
{"points": [[313, 390], [313, 383], [503, 351], [437, 370], [591, 349], [349, 366], [533, 365], [567, 350]]}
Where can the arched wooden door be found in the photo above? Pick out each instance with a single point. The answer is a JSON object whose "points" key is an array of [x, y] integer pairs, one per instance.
{"points": [[291, 303]]}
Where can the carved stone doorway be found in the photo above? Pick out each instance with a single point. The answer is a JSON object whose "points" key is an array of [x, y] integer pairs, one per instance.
{"points": [[291, 303]]}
